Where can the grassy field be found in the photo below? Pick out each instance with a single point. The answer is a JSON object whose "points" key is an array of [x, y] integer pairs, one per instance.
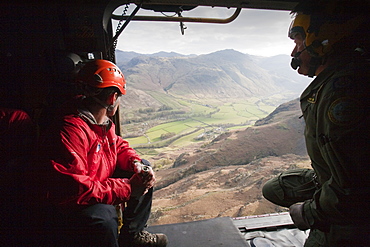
{"points": [[201, 123]]}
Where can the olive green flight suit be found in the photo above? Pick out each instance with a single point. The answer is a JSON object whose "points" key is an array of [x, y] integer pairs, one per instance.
{"points": [[336, 193]]}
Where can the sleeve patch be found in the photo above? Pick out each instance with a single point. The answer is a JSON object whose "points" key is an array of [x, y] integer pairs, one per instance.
{"points": [[345, 111]]}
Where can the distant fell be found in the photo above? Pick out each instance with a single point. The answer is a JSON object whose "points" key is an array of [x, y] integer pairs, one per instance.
{"points": [[224, 76]]}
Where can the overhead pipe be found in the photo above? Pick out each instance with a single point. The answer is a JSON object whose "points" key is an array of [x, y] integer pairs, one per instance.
{"points": [[180, 19]]}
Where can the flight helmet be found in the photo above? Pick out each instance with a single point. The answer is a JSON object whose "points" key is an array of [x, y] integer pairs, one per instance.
{"points": [[320, 42], [322, 24]]}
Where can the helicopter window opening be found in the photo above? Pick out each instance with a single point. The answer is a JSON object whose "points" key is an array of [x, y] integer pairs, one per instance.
{"points": [[147, 38]]}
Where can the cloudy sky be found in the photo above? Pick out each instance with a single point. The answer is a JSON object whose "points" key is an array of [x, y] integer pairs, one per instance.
{"points": [[255, 32]]}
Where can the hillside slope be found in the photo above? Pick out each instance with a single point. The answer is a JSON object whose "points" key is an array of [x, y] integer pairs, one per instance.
{"points": [[280, 133], [228, 173], [231, 191]]}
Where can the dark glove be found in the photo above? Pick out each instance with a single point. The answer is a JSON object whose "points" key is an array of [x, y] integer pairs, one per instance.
{"points": [[297, 214]]}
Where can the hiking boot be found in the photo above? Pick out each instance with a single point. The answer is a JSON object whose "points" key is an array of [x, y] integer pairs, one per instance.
{"points": [[143, 239]]}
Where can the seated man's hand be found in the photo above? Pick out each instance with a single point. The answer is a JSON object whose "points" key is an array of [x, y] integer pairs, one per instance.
{"points": [[146, 172]]}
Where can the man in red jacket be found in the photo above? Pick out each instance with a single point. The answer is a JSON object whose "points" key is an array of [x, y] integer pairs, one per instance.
{"points": [[84, 153]]}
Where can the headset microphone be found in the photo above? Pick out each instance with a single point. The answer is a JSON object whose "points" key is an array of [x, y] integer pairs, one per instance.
{"points": [[296, 62]]}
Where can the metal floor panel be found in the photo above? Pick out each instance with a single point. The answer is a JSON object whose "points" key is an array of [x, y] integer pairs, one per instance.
{"points": [[264, 221], [205, 233], [267, 230]]}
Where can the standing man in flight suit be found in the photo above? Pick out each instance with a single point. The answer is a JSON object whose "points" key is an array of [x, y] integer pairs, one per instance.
{"points": [[332, 199]]}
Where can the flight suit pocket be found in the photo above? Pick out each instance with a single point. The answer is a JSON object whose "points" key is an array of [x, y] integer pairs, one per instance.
{"points": [[298, 184]]}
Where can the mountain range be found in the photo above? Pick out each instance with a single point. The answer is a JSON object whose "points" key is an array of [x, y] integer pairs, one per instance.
{"points": [[226, 75]]}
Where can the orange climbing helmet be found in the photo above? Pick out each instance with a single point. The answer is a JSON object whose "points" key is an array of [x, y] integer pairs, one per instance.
{"points": [[102, 74]]}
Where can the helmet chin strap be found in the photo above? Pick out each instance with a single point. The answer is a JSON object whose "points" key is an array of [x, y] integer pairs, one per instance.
{"points": [[315, 62], [110, 108]]}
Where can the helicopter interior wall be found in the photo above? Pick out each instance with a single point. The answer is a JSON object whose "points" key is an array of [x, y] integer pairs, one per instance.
{"points": [[37, 40]]}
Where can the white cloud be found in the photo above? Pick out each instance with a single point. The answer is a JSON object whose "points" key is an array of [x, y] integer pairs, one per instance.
{"points": [[256, 32]]}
